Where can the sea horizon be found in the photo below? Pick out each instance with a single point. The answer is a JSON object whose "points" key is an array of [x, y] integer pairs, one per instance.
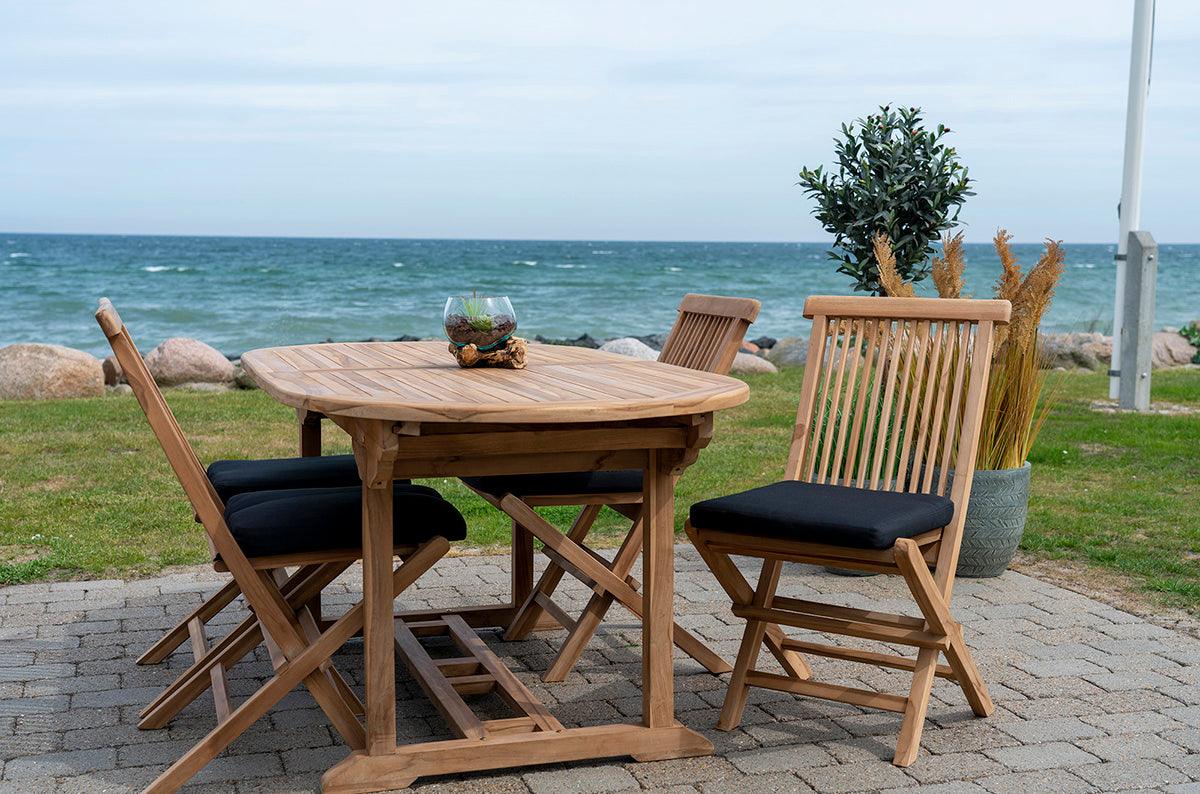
{"points": [[241, 292], [214, 235]]}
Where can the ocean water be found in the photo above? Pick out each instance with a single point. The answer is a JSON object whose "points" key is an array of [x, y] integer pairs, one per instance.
{"points": [[238, 293]]}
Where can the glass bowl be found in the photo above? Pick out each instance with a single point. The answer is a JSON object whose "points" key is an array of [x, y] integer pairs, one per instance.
{"points": [[485, 322]]}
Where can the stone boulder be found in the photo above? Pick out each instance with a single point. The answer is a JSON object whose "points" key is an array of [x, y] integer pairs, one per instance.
{"points": [[654, 341], [791, 351], [628, 346], [587, 340], [112, 371], [747, 363], [1170, 349], [242, 378], [181, 360], [1077, 351], [44, 372], [764, 342], [206, 386]]}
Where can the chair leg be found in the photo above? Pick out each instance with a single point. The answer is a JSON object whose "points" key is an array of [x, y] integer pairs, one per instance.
{"points": [[740, 592], [232, 648], [180, 634], [295, 671], [527, 615], [292, 643], [967, 675], [937, 614], [593, 570], [918, 703], [311, 628], [593, 614], [752, 641], [216, 674]]}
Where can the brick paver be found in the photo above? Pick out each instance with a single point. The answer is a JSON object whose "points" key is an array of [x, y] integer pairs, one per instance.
{"points": [[1089, 698]]}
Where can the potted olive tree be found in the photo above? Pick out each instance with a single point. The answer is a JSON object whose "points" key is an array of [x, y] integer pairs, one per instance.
{"points": [[892, 176], [1017, 401]]}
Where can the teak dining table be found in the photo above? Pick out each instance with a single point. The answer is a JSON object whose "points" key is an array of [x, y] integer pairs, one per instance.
{"points": [[411, 412]]}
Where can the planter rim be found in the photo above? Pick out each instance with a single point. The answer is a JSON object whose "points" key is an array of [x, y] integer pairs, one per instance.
{"points": [[1025, 465]]}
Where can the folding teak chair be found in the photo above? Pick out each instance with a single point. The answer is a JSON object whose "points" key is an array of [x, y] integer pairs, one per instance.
{"points": [[254, 537], [878, 477], [707, 335]]}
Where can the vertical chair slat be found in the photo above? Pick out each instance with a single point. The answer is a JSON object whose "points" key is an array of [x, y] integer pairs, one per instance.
{"points": [[939, 418], [904, 462], [870, 421], [863, 387], [926, 418], [848, 401], [829, 426], [898, 428], [802, 430], [960, 369], [829, 342], [883, 427]]}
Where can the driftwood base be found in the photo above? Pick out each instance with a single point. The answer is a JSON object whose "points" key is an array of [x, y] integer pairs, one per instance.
{"points": [[511, 355]]}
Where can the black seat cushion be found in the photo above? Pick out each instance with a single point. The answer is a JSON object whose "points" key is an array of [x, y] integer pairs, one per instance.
{"points": [[321, 519], [830, 514], [232, 477], [559, 483]]}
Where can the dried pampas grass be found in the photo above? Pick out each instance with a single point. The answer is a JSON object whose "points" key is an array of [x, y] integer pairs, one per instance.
{"points": [[889, 277], [1010, 277], [948, 268], [1017, 401], [1034, 295]]}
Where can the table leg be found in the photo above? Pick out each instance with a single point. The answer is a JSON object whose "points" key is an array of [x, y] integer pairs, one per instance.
{"points": [[522, 564], [658, 588], [310, 433], [378, 631]]}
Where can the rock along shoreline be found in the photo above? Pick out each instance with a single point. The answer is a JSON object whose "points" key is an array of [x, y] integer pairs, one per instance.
{"points": [[32, 371]]}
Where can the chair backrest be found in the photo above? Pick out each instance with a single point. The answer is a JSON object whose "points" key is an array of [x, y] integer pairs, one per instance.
{"points": [[265, 599], [708, 332], [180, 455], [893, 395]]}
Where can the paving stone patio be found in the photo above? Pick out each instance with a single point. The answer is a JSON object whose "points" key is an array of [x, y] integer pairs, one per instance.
{"points": [[1089, 698]]}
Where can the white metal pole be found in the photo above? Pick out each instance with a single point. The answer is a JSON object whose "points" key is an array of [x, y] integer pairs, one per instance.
{"points": [[1131, 178]]}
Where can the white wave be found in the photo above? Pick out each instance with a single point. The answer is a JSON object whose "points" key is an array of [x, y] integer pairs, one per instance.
{"points": [[674, 270], [155, 268], [603, 253], [18, 255], [397, 264], [569, 266], [1084, 266], [526, 262]]}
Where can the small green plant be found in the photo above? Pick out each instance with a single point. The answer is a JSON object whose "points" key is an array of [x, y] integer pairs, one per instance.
{"points": [[477, 314], [893, 177], [1191, 332]]}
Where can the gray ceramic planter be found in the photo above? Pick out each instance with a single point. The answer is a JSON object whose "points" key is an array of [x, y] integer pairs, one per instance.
{"points": [[996, 515]]}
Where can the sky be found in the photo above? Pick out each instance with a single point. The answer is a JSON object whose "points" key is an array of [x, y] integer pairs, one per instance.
{"points": [[570, 120]]}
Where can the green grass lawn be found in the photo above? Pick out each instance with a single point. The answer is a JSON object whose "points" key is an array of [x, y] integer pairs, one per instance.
{"points": [[85, 490]]}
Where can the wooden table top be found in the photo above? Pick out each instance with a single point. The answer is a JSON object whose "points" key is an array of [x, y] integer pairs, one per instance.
{"points": [[420, 382]]}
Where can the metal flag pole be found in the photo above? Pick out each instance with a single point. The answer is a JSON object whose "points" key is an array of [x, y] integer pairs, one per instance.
{"points": [[1130, 208]]}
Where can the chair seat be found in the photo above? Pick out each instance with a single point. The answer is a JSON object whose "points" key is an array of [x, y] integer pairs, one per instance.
{"points": [[267, 523], [834, 515], [233, 477], [560, 483]]}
